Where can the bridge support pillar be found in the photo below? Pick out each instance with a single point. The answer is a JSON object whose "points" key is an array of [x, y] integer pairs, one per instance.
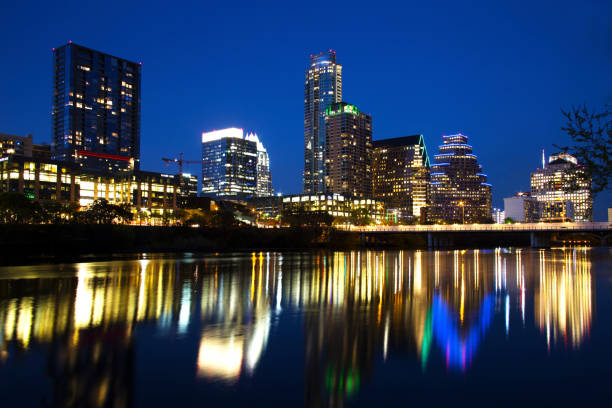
{"points": [[429, 240], [539, 240]]}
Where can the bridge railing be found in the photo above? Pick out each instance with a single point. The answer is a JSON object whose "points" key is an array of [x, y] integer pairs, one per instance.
{"points": [[557, 226]]}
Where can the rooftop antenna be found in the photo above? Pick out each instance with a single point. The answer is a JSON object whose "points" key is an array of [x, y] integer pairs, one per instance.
{"points": [[543, 161]]}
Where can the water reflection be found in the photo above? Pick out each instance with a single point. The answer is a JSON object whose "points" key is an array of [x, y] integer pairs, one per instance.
{"points": [[357, 308]]}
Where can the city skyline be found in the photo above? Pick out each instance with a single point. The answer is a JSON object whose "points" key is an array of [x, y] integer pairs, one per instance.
{"points": [[503, 97]]}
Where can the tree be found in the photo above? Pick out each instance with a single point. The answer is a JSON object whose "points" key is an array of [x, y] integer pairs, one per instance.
{"points": [[102, 212], [16, 208], [591, 135], [360, 216]]}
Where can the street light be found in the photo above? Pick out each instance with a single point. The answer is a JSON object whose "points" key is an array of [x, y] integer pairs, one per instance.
{"points": [[462, 205]]}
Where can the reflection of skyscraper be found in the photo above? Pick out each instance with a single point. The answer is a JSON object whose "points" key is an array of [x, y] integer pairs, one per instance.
{"points": [[564, 298], [323, 87]]}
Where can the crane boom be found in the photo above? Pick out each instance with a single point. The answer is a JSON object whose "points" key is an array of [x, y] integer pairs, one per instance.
{"points": [[180, 162]]}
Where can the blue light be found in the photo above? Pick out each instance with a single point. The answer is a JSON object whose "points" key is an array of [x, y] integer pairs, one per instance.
{"points": [[486, 184], [458, 345]]}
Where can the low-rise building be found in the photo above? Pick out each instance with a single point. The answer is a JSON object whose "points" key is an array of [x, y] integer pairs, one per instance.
{"points": [[336, 205], [48, 180], [522, 208]]}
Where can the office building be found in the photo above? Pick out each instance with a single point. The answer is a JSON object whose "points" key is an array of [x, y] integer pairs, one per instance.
{"points": [[15, 145], [499, 216], [64, 182], [400, 175], [556, 211], [96, 109], [229, 164], [348, 150], [522, 208], [459, 190], [323, 86], [263, 176], [336, 205], [563, 179]]}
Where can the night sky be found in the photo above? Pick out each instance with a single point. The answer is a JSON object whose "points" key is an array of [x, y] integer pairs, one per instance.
{"points": [[499, 73]]}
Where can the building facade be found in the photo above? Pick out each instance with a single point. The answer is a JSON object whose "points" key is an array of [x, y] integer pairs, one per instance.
{"points": [[15, 145], [336, 205], [522, 208], [400, 174], [263, 176], [96, 109], [459, 190], [348, 151], [51, 180], [563, 179], [229, 164], [323, 86]]}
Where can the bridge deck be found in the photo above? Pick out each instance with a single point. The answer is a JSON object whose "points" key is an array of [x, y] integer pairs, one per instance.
{"points": [[523, 227]]}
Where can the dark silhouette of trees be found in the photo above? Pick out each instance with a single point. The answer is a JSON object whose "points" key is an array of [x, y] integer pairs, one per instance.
{"points": [[16, 208], [102, 212], [591, 134]]}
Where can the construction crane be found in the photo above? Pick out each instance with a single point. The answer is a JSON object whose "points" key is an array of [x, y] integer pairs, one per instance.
{"points": [[180, 162]]}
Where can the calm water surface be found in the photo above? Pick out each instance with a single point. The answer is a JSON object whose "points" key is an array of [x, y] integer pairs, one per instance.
{"points": [[329, 329]]}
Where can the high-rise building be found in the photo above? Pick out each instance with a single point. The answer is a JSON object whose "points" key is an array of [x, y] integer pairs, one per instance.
{"points": [[323, 87], [263, 176], [400, 174], [563, 179], [459, 190], [348, 151], [234, 166], [96, 109]]}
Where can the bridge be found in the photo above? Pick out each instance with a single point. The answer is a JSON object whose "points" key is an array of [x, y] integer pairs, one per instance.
{"points": [[537, 235]]}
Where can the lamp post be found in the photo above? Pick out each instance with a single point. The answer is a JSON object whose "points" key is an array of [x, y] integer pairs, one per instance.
{"points": [[462, 205]]}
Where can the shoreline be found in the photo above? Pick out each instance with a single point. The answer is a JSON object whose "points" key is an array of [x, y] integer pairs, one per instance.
{"points": [[22, 244]]}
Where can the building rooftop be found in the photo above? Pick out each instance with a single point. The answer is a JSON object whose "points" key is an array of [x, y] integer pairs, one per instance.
{"points": [[398, 141]]}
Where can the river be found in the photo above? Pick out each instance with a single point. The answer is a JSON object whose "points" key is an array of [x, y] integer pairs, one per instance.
{"points": [[315, 329]]}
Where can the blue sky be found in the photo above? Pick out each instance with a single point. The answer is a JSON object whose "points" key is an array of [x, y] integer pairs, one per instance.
{"points": [[500, 72]]}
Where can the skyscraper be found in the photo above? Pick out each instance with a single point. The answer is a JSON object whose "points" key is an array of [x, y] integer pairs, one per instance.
{"points": [[459, 191], [234, 166], [323, 87], [400, 174], [563, 180], [348, 151], [96, 109], [263, 177]]}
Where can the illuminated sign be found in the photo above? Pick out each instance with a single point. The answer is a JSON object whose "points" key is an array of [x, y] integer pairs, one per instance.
{"points": [[352, 109], [102, 155], [222, 134]]}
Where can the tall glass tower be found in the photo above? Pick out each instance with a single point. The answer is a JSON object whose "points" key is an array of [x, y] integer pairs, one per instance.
{"points": [[348, 164], [230, 164], [459, 190], [96, 109], [323, 87]]}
